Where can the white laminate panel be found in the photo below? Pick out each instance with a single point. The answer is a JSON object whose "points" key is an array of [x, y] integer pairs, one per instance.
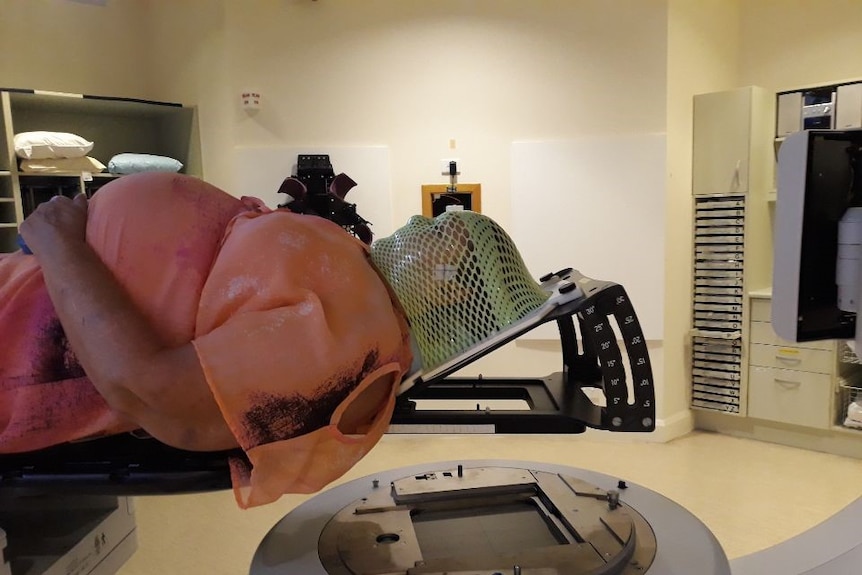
{"points": [[798, 358], [789, 114], [788, 396], [848, 106], [590, 164], [761, 309], [721, 140], [762, 332]]}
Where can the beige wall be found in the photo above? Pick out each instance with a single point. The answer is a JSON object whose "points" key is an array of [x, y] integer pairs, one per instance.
{"points": [[413, 75], [787, 44], [702, 56], [409, 75], [190, 53], [74, 47]]}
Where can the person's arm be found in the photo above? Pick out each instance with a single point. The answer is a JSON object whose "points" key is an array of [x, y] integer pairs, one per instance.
{"points": [[162, 389]]}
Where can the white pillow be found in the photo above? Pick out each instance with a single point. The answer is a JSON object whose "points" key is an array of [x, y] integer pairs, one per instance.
{"points": [[129, 163], [61, 165], [42, 145]]}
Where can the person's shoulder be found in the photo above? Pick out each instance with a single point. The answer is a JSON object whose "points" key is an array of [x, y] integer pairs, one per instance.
{"points": [[288, 228], [159, 187]]}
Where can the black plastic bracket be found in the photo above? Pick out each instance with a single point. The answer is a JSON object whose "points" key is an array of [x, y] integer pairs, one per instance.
{"points": [[559, 403]]}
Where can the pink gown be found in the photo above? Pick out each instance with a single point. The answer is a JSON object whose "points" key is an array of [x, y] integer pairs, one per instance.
{"points": [[289, 320]]}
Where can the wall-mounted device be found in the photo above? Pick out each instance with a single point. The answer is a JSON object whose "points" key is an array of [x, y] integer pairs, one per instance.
{"points": [[818, 109], [439, 198], [446, 166], [805, 110], [315, 189], [817, 273], [836, 106]]}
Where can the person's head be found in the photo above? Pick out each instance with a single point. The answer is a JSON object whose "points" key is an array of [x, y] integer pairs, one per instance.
{"points": [[459, 278]]}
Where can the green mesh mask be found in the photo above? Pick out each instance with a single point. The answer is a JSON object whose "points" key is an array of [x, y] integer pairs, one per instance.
{"points": [[459, 278]]}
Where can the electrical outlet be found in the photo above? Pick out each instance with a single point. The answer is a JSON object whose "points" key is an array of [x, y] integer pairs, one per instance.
{"points": [[444, 166]]}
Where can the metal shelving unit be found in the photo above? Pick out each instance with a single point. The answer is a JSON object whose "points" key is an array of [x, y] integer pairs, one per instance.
{"points": [[718, 302]]}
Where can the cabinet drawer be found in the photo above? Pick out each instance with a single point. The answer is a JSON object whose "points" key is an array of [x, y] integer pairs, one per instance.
{"points": [[762, 332], [796, 358], [788, 396]]}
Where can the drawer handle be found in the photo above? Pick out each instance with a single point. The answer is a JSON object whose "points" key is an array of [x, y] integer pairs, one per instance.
{"points": [[786, 359], [787, 382]]}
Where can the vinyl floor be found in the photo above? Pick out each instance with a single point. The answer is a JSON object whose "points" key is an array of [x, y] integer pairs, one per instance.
{"points": [[750, 494]]}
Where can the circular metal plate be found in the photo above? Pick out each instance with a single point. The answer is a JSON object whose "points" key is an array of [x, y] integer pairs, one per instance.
{"points": [[496, 517]]}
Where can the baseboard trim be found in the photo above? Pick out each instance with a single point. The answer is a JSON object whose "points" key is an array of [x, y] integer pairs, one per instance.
{"points": [[836, 441]]}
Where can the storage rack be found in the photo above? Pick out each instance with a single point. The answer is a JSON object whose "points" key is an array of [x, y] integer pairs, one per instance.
{"points": [[718, 301]]}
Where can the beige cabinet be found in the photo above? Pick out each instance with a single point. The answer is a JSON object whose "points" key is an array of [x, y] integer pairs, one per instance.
{"points": [[114, 125], [732, 176], [807, 384], [768, 354], [789, 117], [789, 382], [848, 106], [758, 385], [724, 153]]}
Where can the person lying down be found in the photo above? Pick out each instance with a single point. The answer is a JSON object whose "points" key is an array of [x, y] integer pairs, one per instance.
{"points": [[210, 322]]}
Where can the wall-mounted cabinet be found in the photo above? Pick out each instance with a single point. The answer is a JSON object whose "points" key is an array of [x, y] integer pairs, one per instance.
{"points": [[722, 135], [848, 112], [114, 125], [828, 107]]}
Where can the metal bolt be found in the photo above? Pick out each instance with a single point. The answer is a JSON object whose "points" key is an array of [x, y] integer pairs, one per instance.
{"points": [[613, 499], [517, 570]]}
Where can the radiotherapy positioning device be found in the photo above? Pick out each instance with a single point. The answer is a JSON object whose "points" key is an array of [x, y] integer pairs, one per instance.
{"points": [[466, 292]]}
